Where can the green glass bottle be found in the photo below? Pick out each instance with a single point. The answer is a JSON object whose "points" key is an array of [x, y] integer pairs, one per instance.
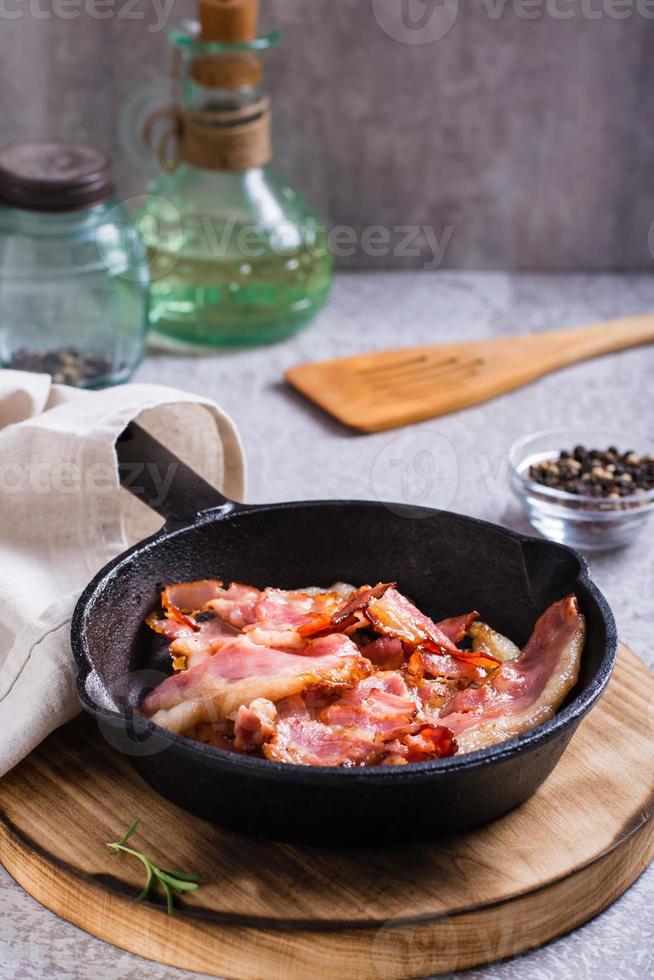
{"points": [[236, 255]]}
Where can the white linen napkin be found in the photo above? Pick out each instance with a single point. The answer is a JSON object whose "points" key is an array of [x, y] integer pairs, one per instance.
{"points": [[63, 515]]}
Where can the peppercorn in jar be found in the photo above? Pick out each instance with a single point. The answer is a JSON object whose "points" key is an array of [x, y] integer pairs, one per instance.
{"points": [[73, 273]]}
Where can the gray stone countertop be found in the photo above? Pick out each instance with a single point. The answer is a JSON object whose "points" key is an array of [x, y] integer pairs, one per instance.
{"points": [[295, 452]]}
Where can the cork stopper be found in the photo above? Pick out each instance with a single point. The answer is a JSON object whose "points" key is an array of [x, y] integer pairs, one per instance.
{"points": [[228, 21]]}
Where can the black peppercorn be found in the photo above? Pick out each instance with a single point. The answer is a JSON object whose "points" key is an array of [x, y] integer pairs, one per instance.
{"points": [[65, 365], [596, 473]]}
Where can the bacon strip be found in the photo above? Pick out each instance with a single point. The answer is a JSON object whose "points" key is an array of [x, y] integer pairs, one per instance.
{"points": [[432, 662], [429, 742], [360, 600], [480, 658], [236, 605], [394, 615], [254, 725], [183, 601], [526, 692], [430, 697], [346, 615], [191, 597], [381, 704], [176, 616], [316, 625], [486, 639], [435, 741], [385, 652], [194, 648], [170, 628], [294, 610], [310, 743], [245, 671], [456, 627]]}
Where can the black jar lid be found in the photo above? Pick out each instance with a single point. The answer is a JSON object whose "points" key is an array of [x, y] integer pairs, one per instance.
{"points": [[54, 176]]}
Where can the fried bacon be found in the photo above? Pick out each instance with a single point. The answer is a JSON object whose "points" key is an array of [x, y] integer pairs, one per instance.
{"points": [[184, 601], [244, 671], [170, 628], [196, 647], [381, 704], [351, 677], [456, 627], [254, 725], [488, 640], [429, 742], [190, 597], [347, 614], [385, 652], [360, 600], [479, 658], [375, 723], [294, 610], [525, 692], [236, 605], [310, 743], [394, 615], [279, 638], [425, 743], [427, 662], [430, 697]]}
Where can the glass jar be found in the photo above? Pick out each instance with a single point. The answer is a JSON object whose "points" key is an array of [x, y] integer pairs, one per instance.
{"points": [[73, 272], [237, 256], [236, 259]]}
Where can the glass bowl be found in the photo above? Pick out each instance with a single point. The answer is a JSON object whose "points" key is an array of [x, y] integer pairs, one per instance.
{"points": [[586, 523]]}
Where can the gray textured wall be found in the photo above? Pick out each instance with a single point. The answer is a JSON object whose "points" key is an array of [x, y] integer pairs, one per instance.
{"points": [[524, 134]]}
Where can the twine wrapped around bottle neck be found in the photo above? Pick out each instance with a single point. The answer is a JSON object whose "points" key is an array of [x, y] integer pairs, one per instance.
{"points": [[234, 139]]}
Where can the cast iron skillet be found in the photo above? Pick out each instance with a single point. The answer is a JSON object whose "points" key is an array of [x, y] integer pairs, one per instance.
{"points": [[447, 563]]}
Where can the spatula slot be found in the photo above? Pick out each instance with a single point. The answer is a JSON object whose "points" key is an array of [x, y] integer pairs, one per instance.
{"points": [[412, 371], [444, 374], [394, 365]]}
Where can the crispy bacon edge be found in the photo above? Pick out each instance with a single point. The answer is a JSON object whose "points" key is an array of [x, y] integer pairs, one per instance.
{"points": [[345, 615], [477, 659]]}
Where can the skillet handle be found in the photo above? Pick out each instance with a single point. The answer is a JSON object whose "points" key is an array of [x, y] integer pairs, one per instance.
{"points": [[161, 480]]}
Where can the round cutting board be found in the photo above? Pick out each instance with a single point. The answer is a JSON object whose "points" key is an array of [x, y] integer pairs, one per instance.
{"points": [[281, 912]]}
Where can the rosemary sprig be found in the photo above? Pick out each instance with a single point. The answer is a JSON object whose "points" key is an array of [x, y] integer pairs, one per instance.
{"points": [[172, 882]]}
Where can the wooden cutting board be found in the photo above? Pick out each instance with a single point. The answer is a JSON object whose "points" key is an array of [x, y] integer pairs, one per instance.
{"points": [[279, 912]]}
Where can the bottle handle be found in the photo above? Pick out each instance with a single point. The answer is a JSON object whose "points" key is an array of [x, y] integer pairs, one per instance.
{"points": [[166, 143], [134, 114]]}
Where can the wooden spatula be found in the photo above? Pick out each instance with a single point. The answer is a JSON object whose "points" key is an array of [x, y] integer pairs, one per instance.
{"points": [[387, 389]]}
